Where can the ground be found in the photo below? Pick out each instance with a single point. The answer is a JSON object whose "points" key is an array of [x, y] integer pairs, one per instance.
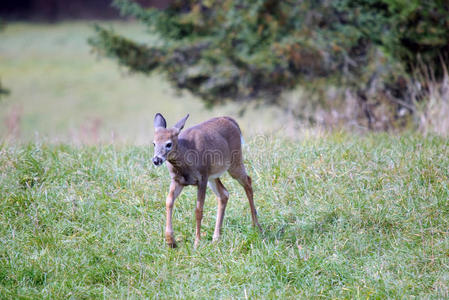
{"points": [[343, 216]]}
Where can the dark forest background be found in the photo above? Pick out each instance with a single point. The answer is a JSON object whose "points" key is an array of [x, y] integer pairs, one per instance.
{"points": [[57, 10]]}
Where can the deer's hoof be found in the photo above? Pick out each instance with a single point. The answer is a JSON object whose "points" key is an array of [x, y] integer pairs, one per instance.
{"points": [[170, 242], [172, 245]]}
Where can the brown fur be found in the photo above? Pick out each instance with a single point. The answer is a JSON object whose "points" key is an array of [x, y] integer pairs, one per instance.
{"points": [[198, 156]]}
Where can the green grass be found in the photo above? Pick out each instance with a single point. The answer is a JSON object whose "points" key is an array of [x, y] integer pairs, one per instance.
{"points": [[344, 216]]}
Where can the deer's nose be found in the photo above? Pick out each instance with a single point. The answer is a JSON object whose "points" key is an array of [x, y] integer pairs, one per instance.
{"points": [[157, 161]]}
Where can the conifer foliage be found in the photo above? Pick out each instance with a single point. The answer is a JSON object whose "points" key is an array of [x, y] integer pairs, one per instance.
{"points": [[242, 50], [236, 50]]}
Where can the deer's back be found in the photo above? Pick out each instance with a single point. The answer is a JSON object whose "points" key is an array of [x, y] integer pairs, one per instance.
{"points": [[213, 138]]}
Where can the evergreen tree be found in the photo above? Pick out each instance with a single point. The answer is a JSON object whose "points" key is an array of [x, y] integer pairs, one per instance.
{"points": [[242, 50], [411, 32], [238, 50]]}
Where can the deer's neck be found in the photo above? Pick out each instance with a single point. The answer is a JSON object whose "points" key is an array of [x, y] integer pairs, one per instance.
{"points": [[179, 157], [183, 165]]}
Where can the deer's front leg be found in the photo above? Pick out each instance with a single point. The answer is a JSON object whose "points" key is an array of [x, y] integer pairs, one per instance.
{"points": [[199, 210], [175, 190]]}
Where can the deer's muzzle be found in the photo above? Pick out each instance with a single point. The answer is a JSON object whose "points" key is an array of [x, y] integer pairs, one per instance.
{"points": [[157, 161]]}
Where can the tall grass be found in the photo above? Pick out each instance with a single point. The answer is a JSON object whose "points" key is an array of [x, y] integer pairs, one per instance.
{"points": [[343, 216], [433, 111]]}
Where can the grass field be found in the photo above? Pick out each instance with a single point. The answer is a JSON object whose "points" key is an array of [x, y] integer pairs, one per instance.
{"points": [[343, 216], [60, 91]]}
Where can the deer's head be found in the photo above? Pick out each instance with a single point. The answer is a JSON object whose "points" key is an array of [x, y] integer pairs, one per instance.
{"points": [[165, 140]]}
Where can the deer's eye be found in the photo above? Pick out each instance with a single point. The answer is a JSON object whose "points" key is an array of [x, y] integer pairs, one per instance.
{"points": [[168, 145]]}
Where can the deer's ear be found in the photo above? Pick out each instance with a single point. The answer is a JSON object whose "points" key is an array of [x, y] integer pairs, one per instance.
{"points": [[181, 123], [159, 121]]}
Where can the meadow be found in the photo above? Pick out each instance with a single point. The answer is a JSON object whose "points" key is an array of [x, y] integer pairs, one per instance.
{"points": [[343, 216], [82, 210]]}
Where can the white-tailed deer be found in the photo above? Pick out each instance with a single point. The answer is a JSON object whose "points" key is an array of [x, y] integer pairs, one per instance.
{"points": [[198, 156]]}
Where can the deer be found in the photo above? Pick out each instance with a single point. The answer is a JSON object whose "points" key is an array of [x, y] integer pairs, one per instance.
{"points": [[198, 156]]}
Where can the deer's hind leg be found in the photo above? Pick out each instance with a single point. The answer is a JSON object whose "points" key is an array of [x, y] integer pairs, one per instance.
{"points": [[238, 172], [222, 196]]}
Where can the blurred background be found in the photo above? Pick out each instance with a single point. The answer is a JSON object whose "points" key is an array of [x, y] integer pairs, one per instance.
{"points": [[97, 71]]}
